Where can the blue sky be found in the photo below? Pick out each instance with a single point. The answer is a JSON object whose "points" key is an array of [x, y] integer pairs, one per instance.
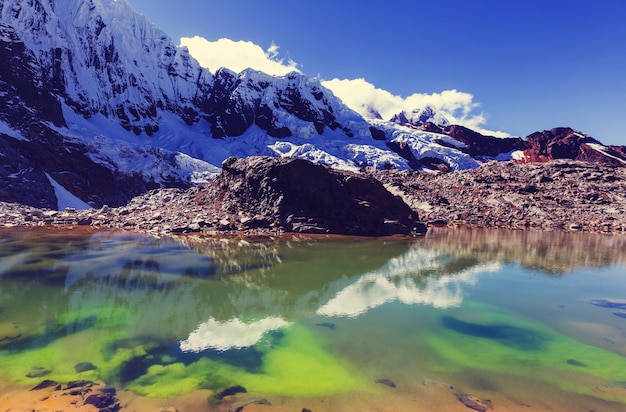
{"points": [[525, 65]]}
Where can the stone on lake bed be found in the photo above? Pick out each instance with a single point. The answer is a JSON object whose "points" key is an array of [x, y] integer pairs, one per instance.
{"points": [[475, 403], [432, 382], [574, 362], [386, 382], [328, 325], [84, 367], [45, 384], [231, 390], [38, 372], [100, 400], [238, 406]]}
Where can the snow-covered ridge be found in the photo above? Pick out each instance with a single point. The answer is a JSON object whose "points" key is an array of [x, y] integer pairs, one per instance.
{"points": [[102, 56]]}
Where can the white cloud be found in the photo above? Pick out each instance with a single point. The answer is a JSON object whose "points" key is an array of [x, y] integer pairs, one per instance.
{"points": [[237, 55], [363, 97]]}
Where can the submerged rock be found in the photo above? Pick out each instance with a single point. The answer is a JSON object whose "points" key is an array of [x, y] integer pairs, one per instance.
{"points": [[475, 403], [328, 325], [45, 384], [386, 382], [432, 382], [238, 406], [38, 372], [230, 391], [574, 362], [84, 367]]}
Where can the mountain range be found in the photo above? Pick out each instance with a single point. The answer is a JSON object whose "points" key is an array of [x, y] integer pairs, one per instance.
{"points": [[98, 105]]}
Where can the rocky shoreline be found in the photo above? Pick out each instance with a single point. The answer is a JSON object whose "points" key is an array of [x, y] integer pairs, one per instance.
{"points": [[253, 197]]}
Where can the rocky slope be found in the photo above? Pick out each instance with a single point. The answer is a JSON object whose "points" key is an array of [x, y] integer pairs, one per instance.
{"points": [[559, 194]]}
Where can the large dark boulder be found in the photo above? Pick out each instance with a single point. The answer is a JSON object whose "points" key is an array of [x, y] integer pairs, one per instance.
{"points": [[301, 196]]}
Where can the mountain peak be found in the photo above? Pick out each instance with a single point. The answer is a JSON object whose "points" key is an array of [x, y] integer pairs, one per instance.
{"points": [[421, 116]]}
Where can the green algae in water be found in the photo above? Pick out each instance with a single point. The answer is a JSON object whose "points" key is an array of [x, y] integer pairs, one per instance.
{"points": [[300, 366], [73, 337], [297, 365], [488, 338]]}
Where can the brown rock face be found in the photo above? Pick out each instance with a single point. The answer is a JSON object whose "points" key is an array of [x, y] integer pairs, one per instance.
{"points": [[480, 145], [305, 197], [566, 143]]}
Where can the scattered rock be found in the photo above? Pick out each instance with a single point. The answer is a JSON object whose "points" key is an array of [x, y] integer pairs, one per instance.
{"points": [[79, 384], [574, 362], [475, 403], [38, 372], [100, 400], [84, 367], [230, 391], [238, 406], [386, 382], [431, 382], [45, 384], [109, 389]]}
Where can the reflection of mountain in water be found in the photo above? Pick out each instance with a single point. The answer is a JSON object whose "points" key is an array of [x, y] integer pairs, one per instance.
{"points": [[162, 288], [417, 277], [548, 252]]}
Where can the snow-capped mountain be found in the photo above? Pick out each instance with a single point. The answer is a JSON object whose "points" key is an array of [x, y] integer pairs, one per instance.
{"points": [[421, 116], [97, 105]]}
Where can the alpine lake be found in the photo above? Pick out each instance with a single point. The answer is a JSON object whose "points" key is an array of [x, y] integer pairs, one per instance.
{"points": [[508, 320]]}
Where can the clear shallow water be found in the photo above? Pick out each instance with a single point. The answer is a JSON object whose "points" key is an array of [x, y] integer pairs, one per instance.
{"points": [[316, 322]]}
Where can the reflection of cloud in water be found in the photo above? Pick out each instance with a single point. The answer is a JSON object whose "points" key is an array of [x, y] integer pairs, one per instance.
{"points": [[413, 278], [232, 334]]}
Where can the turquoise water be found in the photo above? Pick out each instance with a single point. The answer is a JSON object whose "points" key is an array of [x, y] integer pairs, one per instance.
{"points": [[505, 316]]}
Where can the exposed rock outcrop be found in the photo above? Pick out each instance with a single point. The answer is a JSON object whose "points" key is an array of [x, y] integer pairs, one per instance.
{"points": [[557, 143], [476, 144], [567, 143], [301, 196]]}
